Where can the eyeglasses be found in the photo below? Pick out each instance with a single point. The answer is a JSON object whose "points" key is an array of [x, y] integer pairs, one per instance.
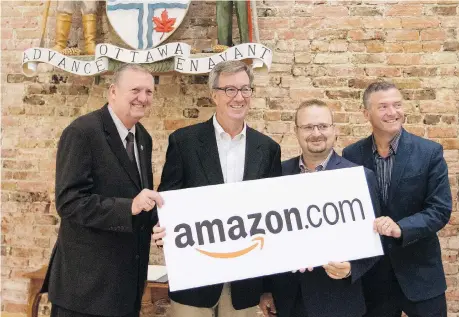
{"points": [[309, 128], [232, 91]]}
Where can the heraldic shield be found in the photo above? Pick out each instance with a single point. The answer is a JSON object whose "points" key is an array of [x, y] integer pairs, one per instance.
{"points": [[146, 24]]}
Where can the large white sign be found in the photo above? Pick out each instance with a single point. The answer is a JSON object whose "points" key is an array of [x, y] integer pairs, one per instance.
{"points": [[180, 52], [235, 231]]}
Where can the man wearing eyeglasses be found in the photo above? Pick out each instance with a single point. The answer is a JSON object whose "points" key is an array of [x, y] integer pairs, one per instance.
{"points": [[221, 150], [334, 289]]}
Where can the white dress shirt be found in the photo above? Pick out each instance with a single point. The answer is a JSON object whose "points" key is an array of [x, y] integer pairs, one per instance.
{"points": [[123, 132], [231, 152]]}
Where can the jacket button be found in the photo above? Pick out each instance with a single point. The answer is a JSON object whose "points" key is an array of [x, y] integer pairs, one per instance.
{"points": [[137, 257], [142, 227]]}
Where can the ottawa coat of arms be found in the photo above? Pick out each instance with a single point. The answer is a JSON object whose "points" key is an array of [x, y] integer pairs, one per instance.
{"points": [[146, 24]]}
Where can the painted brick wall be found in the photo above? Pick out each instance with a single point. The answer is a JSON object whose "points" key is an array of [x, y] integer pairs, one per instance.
{"points": [[323, 49]]}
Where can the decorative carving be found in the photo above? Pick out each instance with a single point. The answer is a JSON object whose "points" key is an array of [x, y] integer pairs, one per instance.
{"points": [[65, 10], [145, 25], [246, 20]]}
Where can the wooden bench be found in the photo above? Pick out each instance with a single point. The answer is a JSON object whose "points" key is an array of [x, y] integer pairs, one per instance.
{"points": [[154, 292]]}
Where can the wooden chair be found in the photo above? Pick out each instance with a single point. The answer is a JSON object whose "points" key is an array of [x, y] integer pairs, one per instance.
{"points": [[153, 293]]}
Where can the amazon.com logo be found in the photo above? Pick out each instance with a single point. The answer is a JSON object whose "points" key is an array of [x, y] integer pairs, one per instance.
{"points": [[236, 227]]}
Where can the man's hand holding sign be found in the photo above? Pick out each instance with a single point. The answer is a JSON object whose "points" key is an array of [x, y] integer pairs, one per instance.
{"points": [[308, 220], [279, 224]]}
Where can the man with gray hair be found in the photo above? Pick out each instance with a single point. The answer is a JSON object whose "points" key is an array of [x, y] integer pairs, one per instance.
{"points": [[104, 198], [416, 203], [221, 150]]}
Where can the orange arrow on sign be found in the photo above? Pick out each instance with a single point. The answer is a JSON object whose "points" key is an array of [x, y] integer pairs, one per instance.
{"points": [[235, 254]]}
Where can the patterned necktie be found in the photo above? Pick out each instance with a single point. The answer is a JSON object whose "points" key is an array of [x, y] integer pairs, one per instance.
{"points": [[130, 146]]}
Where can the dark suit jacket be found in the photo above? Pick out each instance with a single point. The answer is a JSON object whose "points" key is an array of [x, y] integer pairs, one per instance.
{"points": [[420, 202], [322, 295], [192, 161], [99, 263]]}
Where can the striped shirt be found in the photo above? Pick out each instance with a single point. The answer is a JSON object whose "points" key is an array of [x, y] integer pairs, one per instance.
{"points": [[384, 165], [322, 166]]}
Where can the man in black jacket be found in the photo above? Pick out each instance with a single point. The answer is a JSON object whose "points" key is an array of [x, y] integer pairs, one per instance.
{"points": [[334, 289], [104, 194], [221, 150]]}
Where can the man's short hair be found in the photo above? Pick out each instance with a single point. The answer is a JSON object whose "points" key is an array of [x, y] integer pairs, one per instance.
{"points": [[228, 67], [375, 87], [125, 67], [312, 103]]}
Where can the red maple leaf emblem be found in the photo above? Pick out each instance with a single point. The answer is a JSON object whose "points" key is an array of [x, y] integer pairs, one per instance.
{"points": [[164, 24]]}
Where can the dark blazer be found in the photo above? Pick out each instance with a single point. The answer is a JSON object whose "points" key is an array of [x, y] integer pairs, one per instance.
{"points": [[99, 263], [322, 295], [192, 160], [420, 202]]}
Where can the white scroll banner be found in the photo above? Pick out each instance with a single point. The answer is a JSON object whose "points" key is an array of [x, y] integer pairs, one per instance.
{"points": [[259, 53]]}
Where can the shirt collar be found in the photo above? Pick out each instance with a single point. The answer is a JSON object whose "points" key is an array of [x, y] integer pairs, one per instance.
{"points": [[219, 132], [393, 144], [322, 166], [122, 130]]}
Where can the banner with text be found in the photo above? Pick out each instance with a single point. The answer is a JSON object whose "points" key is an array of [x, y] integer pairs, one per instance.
{"points": [[180, 52], [234, 231]]}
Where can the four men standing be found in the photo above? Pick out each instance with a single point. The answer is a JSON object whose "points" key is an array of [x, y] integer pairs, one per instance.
{"points": [[104, 197]]}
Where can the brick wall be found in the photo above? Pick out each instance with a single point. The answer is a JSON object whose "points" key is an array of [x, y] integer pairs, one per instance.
{"points": [[322, 49]]}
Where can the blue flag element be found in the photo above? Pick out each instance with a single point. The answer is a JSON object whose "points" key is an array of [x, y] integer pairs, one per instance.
{"points": [[140, 7]]}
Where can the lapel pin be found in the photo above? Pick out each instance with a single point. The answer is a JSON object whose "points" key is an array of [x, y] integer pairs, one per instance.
{"points": [[141, 147]]}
